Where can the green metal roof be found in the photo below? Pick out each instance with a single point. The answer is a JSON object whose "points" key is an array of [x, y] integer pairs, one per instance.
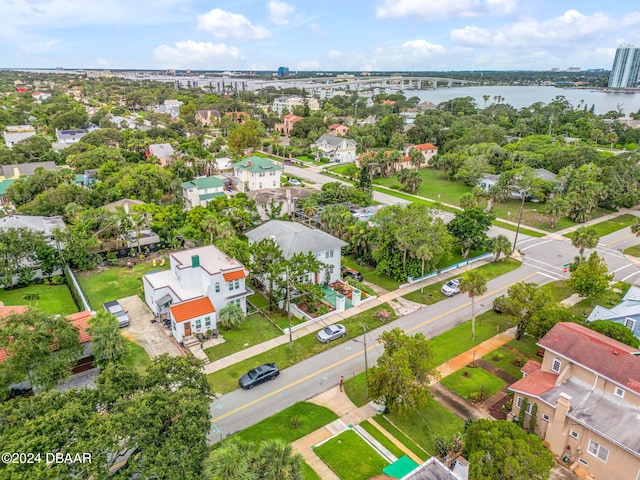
{"points": [[256, 164], [400, 467], [209, 196], [5, 184], [201, 183]]}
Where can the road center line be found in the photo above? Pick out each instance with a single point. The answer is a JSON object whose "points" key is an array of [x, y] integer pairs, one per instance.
{"points": [[340, 362]]}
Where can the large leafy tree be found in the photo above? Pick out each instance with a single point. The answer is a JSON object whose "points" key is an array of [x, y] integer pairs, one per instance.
{"points": [[244, 137], [501, 449], [30, 339], [615, 330], [152, 425], [591, 278], [474, 284], [470, 227], [109, 346], [19, 248], [400, 379], [522, 302], [266, 258]]}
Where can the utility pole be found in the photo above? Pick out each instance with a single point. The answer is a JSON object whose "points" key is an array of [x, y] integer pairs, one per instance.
{"points": [[289, 308], [366, 364]]}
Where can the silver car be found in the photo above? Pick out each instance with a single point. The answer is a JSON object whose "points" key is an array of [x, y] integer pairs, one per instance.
{"points": [[331, 333], [451, 288]]}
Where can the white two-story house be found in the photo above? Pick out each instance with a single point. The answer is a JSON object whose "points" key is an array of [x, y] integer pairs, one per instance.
{"points": [[200, 283], [255, 173], [294, 237], [336, 149]]}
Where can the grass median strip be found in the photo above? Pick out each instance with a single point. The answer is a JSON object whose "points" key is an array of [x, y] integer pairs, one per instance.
{"points": [[611, 225], [401, 437], [381, 438], [226, 379], [522, 230], [431, 293]]}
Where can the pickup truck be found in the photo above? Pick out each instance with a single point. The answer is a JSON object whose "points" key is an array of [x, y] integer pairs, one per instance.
{"points": [[115, 309]]}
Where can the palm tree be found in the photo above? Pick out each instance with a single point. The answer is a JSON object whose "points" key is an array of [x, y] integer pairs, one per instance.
{"points": [[424, 254], [474, 284], [209, 224], [555, 208], [109, 346], [501, 244], [277, 461], [583, 238], [231, 316], [635, 228], [233, 460]]}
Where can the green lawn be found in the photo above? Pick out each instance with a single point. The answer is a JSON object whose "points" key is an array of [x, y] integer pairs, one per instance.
{"points": [[513, 228], [382, 438], [226, 379], [136, 357], [404, 439], [559, 289], [369, 273], [253, 331], [611, 225], [505, 360], [526, 345], [112, 283], [633, 251], [431, 293], [54, 299], [470, 381], [432, 419], [350, 457], [355, 388], [457, 340], [435, 186], [290, 424]]}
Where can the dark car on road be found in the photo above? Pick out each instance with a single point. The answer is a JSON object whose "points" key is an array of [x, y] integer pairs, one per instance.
{"points": [[350, 272], [256, 376]]}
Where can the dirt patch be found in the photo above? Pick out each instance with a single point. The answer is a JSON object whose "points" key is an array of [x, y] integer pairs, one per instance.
{"points": [[496, 409]]}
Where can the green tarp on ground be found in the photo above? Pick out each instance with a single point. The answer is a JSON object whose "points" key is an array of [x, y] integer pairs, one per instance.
{"points": [[400, 467]]}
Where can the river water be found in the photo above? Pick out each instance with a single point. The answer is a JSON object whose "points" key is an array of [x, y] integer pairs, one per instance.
{"points": [[519, 97]]}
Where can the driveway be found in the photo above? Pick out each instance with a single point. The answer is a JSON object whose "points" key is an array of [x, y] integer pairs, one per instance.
{"points": [[149, 336]]}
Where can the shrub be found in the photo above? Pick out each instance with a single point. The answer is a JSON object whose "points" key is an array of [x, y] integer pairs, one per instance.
{"points": [[57, 279], [295, 421], [112, 258], [476, 397], [382, 315]]}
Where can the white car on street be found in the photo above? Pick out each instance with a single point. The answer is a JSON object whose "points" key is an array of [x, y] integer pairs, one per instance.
{"points": [[451, 288]]}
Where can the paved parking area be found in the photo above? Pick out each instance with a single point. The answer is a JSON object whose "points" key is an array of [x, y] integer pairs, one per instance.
{"points": [[149, 336]]}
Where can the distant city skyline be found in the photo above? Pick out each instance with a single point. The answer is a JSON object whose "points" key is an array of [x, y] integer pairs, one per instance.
{"points": [[352, 35]]}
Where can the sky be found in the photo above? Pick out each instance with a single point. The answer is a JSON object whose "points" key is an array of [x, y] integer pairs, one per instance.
{"points": [[332, 35]]}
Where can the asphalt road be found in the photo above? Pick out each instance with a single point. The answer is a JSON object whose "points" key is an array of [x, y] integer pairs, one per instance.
{"points": [[242, 408]]}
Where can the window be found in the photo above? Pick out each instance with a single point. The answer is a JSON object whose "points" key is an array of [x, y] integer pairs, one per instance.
{"points": [[260, 185], [230, 285], [555, 366], [236, 284], [619, 392], [274, 183], [218, 287], [261, 174], [546, 417], [199, 323], [630, 323], [518, 402], [529, 408], [574, 434], [207, 321], [583, 461], [598, 450], [328, 254]]}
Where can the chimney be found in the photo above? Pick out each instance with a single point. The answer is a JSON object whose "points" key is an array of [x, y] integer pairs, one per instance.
{"points": [[195, 261], [126, 207], [249, 164], [461, 468]]}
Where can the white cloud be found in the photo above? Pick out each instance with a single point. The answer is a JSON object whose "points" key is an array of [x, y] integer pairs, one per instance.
{"points": [[572, 26], [316, 28], [40, 47], [223, 24], [422, 47], [280, 12], [437, 9], [190, 54], [71, 13]]}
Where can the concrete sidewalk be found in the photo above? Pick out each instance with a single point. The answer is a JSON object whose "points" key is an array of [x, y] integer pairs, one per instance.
{"points": [[314, 327]]}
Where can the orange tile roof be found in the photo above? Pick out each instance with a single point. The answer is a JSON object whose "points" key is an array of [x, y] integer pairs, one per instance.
{"points": [[191, 309], [79, 320], [230, 276], [531, 366], [536, 383], [425, 146]]}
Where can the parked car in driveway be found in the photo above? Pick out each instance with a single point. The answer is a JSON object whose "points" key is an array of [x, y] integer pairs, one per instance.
{"points": [[115, 309], [350, 272], [331, 333], [451, 288], [257, 375]]}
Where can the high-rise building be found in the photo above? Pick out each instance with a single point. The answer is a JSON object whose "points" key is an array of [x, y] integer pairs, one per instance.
{"points": [[626, 67], [283, 71]]}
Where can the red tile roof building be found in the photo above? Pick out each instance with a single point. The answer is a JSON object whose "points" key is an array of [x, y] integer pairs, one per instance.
{"points": [[587, 391]]}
